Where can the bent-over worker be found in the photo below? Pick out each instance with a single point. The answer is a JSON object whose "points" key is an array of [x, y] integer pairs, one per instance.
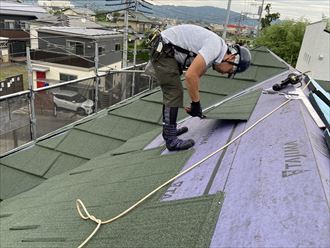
{"points": [[195, 48]]}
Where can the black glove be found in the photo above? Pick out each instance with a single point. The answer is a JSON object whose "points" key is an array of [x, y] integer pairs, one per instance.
{"points": [[195, 110]]}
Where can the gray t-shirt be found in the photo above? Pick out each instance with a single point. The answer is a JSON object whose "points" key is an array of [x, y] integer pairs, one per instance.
{"points": [[198, 40]]}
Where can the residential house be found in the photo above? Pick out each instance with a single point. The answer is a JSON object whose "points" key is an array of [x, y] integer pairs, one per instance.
{"points": [[258, 175], [68, 53], [136, 20], [314, 55], [14, 25], [58, 20], [80, 12]]}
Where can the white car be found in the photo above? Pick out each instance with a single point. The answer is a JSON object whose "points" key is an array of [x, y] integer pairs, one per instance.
{"points": [[72, 100]]}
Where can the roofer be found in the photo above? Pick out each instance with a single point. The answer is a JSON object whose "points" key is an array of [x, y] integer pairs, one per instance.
{"points": [[196, 48]]}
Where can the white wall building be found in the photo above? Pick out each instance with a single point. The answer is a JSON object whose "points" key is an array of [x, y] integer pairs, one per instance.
{"points": [[4, 54], [314, 51]]}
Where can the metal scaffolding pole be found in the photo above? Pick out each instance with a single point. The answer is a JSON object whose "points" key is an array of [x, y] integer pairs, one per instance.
{"points": [[134, 62], [97, 78], [227, 20], [33, 122], [260, 16]]}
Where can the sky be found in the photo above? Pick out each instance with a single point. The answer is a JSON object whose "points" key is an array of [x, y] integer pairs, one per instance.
{"points": [[312, 10]]}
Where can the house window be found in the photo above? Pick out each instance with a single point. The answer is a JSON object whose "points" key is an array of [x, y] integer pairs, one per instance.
{"points": [[9, 24], [101, 50], [76, 47], [117, 47], [67, 77]]}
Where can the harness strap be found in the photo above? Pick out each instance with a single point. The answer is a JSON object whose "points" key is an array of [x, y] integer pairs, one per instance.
{"points": [[189, 54]]}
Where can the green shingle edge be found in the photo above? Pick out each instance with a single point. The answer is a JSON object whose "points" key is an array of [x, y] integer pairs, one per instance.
{"points": [[140, 110], [198, 229], [137, 143], [35, 160], [208, 228], [14, 182], [63, 164], [238, 108], [52, 142], [86, 145], [117, 127]]}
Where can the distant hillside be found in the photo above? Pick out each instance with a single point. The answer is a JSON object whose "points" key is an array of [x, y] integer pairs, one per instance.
{"points": [[205, 13]]}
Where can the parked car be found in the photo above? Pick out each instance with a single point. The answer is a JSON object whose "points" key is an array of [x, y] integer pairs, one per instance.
{"points": [[74, 101]]}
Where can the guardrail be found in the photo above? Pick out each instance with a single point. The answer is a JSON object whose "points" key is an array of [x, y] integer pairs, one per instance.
{"points": [[29, 115]]}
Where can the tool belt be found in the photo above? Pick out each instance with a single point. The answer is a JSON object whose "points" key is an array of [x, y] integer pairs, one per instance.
{"points": [[158, 47]]}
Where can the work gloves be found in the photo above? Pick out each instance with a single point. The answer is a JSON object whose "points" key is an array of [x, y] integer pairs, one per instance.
{"points": [[195, 110]]}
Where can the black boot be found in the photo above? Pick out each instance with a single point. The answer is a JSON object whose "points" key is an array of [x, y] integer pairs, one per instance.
{"points": [[180, 130], [172, 141], [170, 131]]}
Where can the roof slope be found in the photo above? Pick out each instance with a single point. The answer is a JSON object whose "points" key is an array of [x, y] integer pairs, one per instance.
{"points": [[270, 197], [127, 120]]}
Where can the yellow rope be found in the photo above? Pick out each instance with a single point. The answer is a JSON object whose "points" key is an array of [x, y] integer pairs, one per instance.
{"points": [[99, 222]]}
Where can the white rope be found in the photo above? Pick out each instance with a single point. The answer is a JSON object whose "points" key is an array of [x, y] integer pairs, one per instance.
{"points": [[99, 222]]}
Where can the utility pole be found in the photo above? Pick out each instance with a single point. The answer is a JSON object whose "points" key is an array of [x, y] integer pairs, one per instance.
{"points": [[260, 10], [33, 122], [125, 36], [227, 20]]}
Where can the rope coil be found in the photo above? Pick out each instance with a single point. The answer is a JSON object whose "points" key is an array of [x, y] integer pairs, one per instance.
{"points": [[87, 215]]}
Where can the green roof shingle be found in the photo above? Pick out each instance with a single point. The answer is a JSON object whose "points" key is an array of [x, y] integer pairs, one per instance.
{"points": [[35, 160], [116, 127], [87, 145], [13, 181], [238, 108], [140, 110]]}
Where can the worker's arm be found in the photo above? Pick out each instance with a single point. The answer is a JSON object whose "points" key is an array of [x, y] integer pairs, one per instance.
{"points": [[193, 74]]}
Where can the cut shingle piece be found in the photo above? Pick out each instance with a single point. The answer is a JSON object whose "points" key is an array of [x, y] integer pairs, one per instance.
{"points": [[140, 110], [87, 145], [35, 160], [238, 108], [13, 182], [116, 127]]}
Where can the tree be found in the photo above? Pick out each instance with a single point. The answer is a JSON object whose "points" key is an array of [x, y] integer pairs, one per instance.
{"points": [[269, 17], [284, 39]]}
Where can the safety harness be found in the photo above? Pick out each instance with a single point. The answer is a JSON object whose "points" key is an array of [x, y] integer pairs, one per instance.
{"points": [[169, 49]]}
